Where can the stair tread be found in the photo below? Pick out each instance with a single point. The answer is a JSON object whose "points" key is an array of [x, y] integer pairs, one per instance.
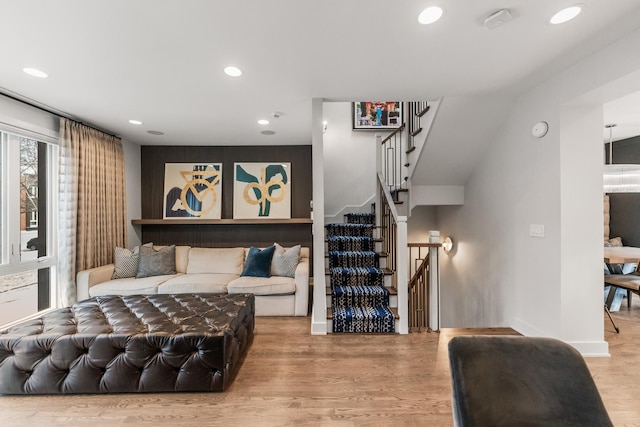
{"points": [[385, 270], [392, 291], [394, 310], [380, 254], [375, 239]]}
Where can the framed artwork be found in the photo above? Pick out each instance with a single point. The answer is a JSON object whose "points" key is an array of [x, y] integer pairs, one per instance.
{"points": [[376, 115], [261, 190], [192, 190]]}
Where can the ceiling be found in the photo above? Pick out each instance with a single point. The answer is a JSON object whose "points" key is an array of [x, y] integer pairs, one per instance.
{"points": [[161, 61]]}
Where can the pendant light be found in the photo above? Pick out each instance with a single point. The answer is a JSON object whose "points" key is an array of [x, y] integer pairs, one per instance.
{"points": [[620, 178]]}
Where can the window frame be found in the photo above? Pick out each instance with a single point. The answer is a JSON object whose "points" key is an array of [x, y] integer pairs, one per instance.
{"points": [[10, 240]]}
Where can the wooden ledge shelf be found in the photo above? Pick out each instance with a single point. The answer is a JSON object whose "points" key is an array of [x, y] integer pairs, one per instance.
{"points": [[196, 221]]}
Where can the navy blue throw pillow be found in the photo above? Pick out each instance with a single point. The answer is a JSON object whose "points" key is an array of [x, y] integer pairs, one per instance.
{"points": [[258, 263]]}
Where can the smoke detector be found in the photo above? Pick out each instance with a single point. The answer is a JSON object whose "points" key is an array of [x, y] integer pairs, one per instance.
{"points": [[498, 18], [276, 114]]}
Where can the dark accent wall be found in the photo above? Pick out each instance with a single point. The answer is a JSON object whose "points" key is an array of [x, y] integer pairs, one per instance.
{"points": [[153, 159], [625, 207]]}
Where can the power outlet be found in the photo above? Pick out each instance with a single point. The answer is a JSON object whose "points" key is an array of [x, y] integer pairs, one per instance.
{"points": [[536, 230]]}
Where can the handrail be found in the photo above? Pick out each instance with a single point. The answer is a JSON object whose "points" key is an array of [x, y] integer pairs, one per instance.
{"points": [[392, 134], [416, 110], [387, 195]]}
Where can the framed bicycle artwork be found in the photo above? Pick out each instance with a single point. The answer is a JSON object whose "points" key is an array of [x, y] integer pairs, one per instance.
{"points": [[376, 115]]}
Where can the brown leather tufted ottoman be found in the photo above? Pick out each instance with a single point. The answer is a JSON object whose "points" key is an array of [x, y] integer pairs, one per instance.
{"points": [[136, 343]]}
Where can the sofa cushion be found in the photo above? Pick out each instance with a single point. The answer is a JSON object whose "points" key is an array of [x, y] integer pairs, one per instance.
{"points": [[274, 285], [197, 283], [156, 262], [130, 286], [285, 261], [216, 260], [258, 263]]}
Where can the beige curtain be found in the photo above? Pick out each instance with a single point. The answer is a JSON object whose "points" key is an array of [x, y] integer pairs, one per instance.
{"points": [[92, 202]]}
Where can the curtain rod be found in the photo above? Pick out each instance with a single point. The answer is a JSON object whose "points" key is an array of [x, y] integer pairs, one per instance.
{"points": [[47, 109]]}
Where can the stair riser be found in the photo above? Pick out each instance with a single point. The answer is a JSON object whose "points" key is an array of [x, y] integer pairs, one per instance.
{"points": [[337, 230], [350, 244], [387, 281], [393, 301], [382, 263], [330, 325], [377, 247]]}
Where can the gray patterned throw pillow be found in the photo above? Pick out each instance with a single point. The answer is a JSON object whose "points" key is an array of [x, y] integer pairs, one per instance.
{"points": [[285, 261], [157, 263], [126, 262]]}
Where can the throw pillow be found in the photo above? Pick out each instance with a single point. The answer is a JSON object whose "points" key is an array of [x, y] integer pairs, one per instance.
{"points": [[615, 242], [258, 263], [126, 262], [285, 261], [157, 263]]}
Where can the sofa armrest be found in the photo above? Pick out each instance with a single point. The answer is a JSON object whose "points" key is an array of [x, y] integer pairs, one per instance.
{"points": [[87, 278], [302, 288]]}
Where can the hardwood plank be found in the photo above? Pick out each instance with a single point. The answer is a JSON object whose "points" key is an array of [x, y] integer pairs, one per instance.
{"points": [[290, 377]]}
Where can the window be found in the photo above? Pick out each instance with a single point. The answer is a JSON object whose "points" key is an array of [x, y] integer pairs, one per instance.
{"points": [[27, 225]]}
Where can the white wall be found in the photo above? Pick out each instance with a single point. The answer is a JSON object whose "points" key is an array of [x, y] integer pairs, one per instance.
{"points": [[350, 161], [497, 274], [422, 219], [132, 182]]}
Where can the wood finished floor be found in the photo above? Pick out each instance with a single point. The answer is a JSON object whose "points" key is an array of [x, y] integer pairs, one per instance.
{"points": [[290, 378]]}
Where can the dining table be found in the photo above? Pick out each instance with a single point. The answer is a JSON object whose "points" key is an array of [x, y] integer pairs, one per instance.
{"points": [[621, 254]]}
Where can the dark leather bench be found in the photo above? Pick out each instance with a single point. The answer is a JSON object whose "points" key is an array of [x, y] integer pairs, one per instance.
{"points": [[137, 343]]}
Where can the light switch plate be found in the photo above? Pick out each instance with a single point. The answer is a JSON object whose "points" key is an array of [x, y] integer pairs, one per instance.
{"points": [[536, 230]]}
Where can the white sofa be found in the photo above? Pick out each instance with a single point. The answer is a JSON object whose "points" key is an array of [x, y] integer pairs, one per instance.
{"points": [[210, 270]]}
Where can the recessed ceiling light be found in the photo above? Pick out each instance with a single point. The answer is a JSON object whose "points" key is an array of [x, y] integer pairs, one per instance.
{"points": [[233, 71], [155, 132], [135, 122], [430, 15], [566, 14], [268, 132], [263, 122], [35, 72]]}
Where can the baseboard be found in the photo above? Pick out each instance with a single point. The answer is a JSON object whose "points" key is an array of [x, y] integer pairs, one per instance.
{"points": [[586, 348], [318, 328], [591, 348], [526, 329]]}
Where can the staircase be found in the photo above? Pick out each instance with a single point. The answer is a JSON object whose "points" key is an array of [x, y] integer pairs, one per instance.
{"points": [[359, 300]]}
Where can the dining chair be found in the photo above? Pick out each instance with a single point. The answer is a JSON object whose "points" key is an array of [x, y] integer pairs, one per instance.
{"points": [[522, 381]]}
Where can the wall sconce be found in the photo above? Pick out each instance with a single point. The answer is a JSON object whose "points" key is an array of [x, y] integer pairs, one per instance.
{"points": [[447, 245], [324, 126]]}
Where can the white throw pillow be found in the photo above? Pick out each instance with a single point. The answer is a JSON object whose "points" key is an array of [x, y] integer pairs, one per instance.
{"points": [[285, 261]]}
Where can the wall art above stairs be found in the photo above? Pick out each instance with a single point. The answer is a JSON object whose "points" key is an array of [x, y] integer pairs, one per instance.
{"points": [[359, 298]]}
